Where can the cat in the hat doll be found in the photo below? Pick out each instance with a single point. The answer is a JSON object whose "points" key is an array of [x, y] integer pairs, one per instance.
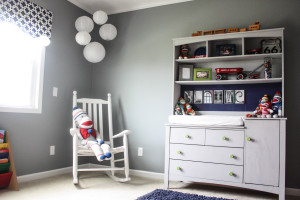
{"points": [[87, 134]]}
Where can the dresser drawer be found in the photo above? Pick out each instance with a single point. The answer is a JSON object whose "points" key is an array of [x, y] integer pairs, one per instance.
{"points": [[187, 136], [209, 171], [211, 154], [226, 138]]}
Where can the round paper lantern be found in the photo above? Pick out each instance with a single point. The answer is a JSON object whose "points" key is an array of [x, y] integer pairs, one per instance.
{"points": [[100, 17], [94, 52], [84, 23], [83, 38], [108, 32]]}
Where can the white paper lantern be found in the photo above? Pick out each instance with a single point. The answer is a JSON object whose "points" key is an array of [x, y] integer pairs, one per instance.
{"points": [[100, 17], [83, 38], [84, 23], [108, 32], [94, 52]]}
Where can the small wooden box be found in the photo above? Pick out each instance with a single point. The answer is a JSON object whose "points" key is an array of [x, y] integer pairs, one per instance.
{"points": [[232, 30], [254, 27], [198, 33], [208, 32], [243, 29], [220, 31]]}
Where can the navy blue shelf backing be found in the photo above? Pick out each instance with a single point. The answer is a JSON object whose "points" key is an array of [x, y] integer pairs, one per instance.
{"points": [[253, 93]]}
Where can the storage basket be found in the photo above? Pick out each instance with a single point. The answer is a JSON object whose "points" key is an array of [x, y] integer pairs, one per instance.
{"points": [[5, 179], [4, 167]]}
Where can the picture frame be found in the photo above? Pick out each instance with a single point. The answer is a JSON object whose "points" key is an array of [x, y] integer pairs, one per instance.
{"points": [[226, 50], [239, 96], [208, 96], [198, 96], [189, 96], [229, 97], [185, 72], [218, 96], [202, 74]]}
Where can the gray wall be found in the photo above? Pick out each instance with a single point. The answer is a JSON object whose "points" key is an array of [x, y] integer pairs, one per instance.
{"points": [[65, 68], [137, 69]]}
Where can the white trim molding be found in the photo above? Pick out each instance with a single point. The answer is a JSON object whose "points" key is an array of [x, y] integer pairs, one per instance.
{"points": [[46, 174], [115, 7]]}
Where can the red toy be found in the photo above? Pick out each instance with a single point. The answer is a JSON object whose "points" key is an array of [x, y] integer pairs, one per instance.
{"points": [[189, 110], [265, 108], [223, 72]]}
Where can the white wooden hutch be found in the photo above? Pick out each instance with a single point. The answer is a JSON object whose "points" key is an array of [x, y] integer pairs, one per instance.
{"points": [[249, 156]]}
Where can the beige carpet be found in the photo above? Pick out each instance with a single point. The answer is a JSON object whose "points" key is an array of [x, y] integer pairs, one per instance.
{"points": [[95, 185]]}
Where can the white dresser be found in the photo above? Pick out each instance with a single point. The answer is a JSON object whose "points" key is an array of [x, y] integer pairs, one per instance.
{"points": [[250, 156]]}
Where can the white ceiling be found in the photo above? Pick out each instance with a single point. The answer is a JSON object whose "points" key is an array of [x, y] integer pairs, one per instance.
{"points": [[119, 6]]}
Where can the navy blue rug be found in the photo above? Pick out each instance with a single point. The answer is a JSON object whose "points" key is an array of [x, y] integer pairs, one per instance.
{"points": [[159, 194]]}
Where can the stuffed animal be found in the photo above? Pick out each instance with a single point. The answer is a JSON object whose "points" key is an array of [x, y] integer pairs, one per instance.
{"points": [[182, 105], [87, 134], [277, 104], [265, 109], [189, 110], [178, 110]]}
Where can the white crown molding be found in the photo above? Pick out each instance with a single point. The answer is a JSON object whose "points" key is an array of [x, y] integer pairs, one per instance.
{"points": [[81, 5], [117, 9], [145, 6]]}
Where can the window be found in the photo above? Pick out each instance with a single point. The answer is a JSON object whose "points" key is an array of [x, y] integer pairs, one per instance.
{"points": [[21, 70]]}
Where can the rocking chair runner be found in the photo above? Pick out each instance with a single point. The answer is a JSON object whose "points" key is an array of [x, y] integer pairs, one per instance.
{"points": [[93, 107]]}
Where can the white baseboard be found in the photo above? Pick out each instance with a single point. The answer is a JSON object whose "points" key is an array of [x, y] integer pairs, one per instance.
{"points": [[134, 172], [146, 174], [46, 174]]}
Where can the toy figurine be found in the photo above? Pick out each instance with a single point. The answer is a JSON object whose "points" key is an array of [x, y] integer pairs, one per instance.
{"points": [[268, 68], [178, 110], [265, 109], [184, 52], [182, 104], [183, 108], [87, 135], [277, 104], [189, 110]]}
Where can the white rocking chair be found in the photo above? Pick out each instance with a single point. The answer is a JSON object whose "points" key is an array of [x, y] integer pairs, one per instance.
{"points": [[93, 107]]}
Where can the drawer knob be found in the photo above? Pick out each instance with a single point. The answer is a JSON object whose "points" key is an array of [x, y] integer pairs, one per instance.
{"points": [[179, 152], [248, 139], [178, 168], [231, 156], [231, 174], [224, 138], [187, 136]]}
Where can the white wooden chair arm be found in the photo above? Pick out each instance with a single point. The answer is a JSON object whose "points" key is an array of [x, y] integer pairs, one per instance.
{"points": [[122, 134]]}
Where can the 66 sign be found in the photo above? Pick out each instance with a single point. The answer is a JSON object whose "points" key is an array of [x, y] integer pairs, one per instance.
{"points": [[271, 46]]}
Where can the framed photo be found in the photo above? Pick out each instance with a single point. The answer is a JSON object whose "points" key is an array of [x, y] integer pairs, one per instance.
{"points": [[239, 96], [202, 74], [229, 96], [198, 96], [188, 96], [225, 50], [185, 72], [208, 96], [218, 96]]}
